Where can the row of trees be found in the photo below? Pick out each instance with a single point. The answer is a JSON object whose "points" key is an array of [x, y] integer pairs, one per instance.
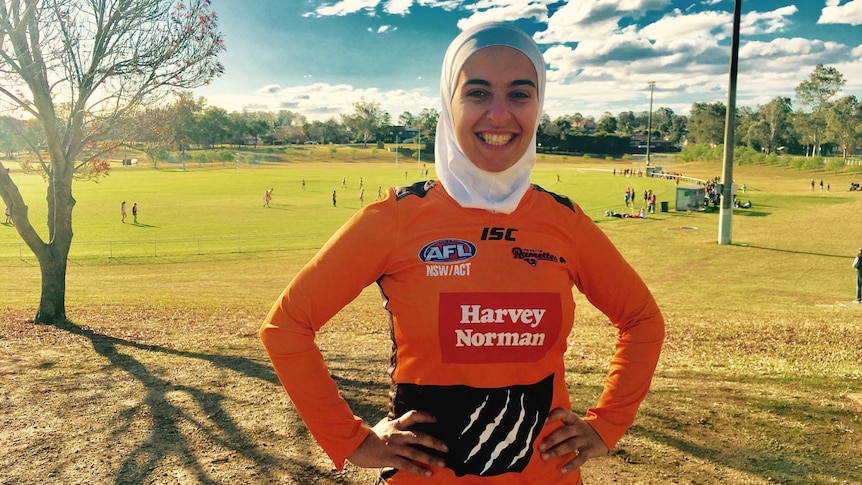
{"points": [[819, 122], [190, 122], [776, 127], [773, 127]]}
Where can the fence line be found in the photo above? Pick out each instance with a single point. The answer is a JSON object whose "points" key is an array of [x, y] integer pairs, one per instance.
{"points": [[174, 247]]}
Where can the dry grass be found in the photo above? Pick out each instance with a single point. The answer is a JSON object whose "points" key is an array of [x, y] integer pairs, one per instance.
{"points": [[161, 377]]}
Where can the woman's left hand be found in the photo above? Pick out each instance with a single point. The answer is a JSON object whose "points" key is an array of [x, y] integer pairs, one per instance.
{"points": [[575, 437]]}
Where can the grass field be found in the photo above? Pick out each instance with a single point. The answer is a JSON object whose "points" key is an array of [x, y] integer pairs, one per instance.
{"points": [[160, 377]]}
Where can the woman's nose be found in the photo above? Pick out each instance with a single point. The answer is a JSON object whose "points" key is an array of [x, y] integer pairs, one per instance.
{"points": [[498, 110]]}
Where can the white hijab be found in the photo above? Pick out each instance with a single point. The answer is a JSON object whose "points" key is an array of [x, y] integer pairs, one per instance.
{"points": [[469, 185]]}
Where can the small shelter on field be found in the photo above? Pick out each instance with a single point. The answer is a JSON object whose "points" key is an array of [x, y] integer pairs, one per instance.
{"points": [[690, 198]]}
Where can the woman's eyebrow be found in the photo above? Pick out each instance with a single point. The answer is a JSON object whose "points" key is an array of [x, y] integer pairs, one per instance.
{"points": [[516, 82], [481, 82]]}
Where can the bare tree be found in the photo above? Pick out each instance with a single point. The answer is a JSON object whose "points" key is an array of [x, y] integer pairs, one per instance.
{"points": [[76, 67]]}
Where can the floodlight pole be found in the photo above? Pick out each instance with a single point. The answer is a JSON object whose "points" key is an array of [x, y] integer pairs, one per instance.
{"points": [[649, 124], [729, 126]]}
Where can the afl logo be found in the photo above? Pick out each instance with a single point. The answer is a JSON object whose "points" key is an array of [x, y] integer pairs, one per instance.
{"points": [[447, 251]]}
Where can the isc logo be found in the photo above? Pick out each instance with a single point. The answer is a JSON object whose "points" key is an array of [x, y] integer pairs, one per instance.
{"points": [[447, 251], [498, 234]]}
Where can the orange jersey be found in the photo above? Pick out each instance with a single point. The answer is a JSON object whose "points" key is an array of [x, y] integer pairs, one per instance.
{"points": [[481, 309]]}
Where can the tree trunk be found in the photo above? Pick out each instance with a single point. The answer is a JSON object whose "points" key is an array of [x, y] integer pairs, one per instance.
{"points": [[52, 305], [53, 256]]}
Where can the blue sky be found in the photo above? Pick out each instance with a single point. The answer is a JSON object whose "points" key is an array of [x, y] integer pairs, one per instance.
{"points": [[318, 57]]}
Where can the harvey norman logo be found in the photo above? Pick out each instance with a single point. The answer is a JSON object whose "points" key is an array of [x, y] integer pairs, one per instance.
{"points": [[447, 257], [498, 327]]}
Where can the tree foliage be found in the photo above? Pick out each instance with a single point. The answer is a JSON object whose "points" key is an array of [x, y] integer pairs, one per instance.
{"points": [[814, 95], [367, 120], [844, 124], [706, 123]]}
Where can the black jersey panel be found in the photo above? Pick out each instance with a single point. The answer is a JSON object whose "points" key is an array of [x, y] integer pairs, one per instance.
{"points": [[488, 431]]}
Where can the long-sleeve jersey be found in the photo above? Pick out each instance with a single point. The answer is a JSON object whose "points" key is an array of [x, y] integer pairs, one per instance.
{"points": [[481, 307]]}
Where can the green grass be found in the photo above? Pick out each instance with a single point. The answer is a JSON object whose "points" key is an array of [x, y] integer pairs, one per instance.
{"points": [[210, 205], [762, 342]]}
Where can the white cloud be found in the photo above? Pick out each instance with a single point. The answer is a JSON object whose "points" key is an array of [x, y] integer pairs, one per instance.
{"points": [[676, 26], [328, 100], [393, 7], [268, 89], [447, 5], [786, 50], [398, 7], [345, 7], [835, 13], [767, 22], [503, 10], [602, 55], [593, 19], [686, 54]]}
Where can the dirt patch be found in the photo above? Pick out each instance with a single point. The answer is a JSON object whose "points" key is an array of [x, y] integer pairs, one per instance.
{"points": [[149, 396], [683, 229], [188, 396], [855, 400]]}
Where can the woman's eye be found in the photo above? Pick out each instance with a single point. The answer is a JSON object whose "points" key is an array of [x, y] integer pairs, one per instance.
{"points": [[476, 93]]}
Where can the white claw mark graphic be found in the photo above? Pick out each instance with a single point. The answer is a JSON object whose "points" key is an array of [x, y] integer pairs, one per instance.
{"points": [[489, 429], [475, 416], [527, 444], [510, 439]]}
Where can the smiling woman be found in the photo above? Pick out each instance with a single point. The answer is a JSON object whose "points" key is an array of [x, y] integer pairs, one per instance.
{"points": [[477, 272], [492, 99]]}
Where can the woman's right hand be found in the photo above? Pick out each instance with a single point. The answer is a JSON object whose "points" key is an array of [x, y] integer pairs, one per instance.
{"points": [[389, 445]]}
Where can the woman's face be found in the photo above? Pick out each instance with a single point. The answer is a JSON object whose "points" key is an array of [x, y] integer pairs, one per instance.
{"points": [[495, 107]]}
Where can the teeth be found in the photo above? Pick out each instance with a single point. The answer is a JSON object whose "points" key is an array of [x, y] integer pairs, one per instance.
{"points": [[496, 140]]}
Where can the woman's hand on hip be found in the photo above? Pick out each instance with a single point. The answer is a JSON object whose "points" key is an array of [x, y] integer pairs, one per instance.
{"points": [[575, 437], [390, 445]]}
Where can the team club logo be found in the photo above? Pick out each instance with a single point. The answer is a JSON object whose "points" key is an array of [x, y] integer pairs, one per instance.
{"points": [[447, 257], [447, 251]]}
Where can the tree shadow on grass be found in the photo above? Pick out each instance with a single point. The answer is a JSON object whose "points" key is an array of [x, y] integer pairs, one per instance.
{"points": [[166, 438], [792, 251], [739, 430], [749, 213]]}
